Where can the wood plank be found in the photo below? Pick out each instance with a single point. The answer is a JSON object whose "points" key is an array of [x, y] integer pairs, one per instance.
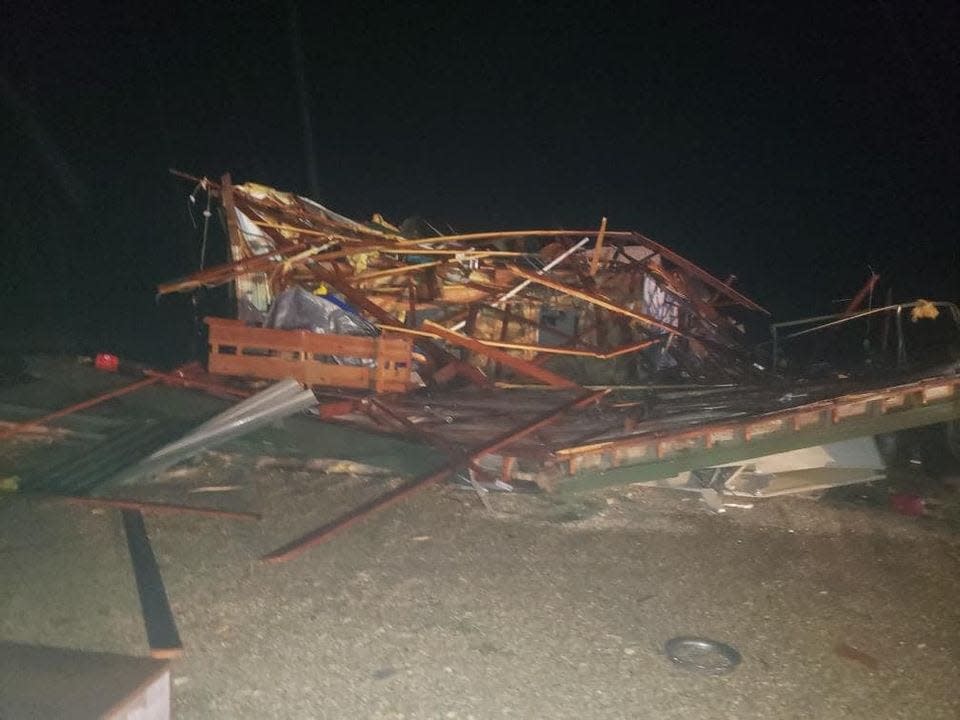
{"points": [[697, 272], [162, 635], [734, 449], [234, 332], [220, 274], [402, 270], [308, 372], [598, 248], [276, 354], [237, 246]]}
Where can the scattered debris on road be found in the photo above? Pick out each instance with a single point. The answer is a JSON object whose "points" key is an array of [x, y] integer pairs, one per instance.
{"points": [[553, 360]]}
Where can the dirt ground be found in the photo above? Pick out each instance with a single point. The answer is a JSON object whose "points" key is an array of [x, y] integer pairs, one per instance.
{"points": [[534, 608]]}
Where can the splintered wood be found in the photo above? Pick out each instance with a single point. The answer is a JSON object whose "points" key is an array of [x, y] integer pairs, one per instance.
{"points": [[507, 303]]}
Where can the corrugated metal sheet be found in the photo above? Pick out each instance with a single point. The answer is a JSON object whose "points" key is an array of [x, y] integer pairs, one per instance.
{"points": [[82, 467]]}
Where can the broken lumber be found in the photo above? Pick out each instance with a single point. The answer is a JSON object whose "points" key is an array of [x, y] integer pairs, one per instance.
{"points": [[598, 248], [516, 364], [596, 300], [698, 272]]}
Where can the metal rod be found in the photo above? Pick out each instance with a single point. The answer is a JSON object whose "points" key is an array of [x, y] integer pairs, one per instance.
{"points": [[145, 506], [838, 318], [31, 424]]}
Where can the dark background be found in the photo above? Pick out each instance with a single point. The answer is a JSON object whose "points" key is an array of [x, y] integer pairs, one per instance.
{"points": [[793, 145]]}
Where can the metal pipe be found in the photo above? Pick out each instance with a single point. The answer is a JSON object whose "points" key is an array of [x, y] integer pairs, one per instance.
{"points": [[901, 350], [848, 318]]}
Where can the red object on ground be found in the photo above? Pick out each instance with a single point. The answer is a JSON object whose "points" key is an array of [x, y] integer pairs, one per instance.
{"points": [[107, 362], [907, 504]]}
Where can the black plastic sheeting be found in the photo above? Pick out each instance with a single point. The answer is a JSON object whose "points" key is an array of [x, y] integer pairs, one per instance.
{"points": [[297, 309]]}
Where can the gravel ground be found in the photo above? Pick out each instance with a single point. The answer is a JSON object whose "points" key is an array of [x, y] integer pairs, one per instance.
{"points": [[535, 608]]}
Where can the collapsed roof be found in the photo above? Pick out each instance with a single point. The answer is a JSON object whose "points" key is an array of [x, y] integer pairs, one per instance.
{"points": [[564, 299]]}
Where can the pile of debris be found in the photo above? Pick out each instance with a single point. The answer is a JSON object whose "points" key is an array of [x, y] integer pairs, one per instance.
{"points": [[441, 338], [562, 360], [549, 306]]}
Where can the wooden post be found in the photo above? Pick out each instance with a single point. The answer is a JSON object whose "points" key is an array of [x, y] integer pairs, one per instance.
{"points": [[378, 360], [595, 259], [233, 231], [230, 210], [412, 310], [470, 329], [504, 331]]}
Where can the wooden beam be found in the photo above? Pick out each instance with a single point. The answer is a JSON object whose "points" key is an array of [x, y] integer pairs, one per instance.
{"points": [[543, 349], [516, 364], [471, 254], [402, 270], [237, 246], [598, 248], [220, 274], [698, 272], [267, 262], [858, 299]]}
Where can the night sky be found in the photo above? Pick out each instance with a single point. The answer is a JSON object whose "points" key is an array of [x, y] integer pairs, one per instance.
{"points": [[793, 145]]}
